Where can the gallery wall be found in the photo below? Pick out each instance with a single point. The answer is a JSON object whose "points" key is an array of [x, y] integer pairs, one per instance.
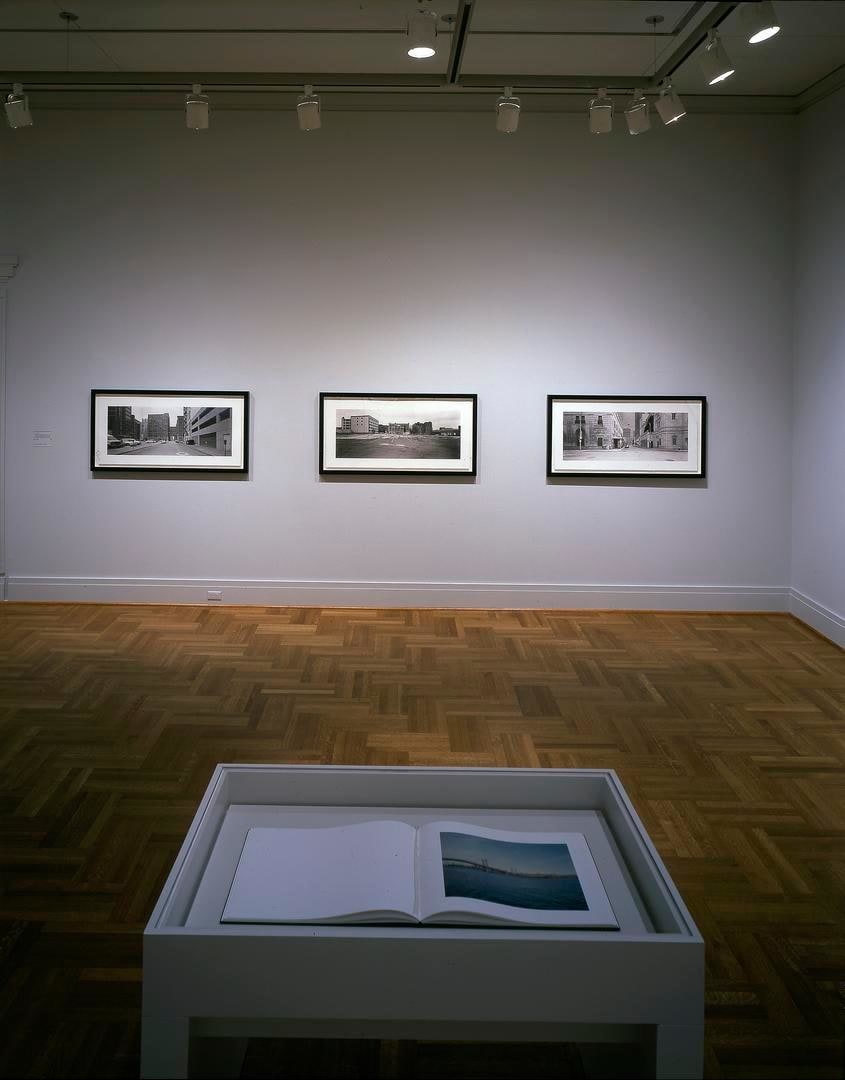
{"points": [[818, 524], [400, 252]]}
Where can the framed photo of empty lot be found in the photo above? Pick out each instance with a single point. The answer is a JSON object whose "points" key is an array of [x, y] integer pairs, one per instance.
{"points": [[626, 436], [398, 434], [169, 431]]}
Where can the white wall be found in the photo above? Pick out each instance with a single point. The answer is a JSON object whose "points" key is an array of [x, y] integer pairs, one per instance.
{"points": [[400, 252], [818, 522]]}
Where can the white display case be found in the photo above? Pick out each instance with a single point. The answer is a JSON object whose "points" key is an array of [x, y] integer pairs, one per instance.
{"points": [[643, 983]]}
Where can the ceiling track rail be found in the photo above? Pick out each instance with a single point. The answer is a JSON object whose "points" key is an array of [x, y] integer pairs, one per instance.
{"points": [[259, 80], [117, 81], [342, 31], [463, 18]]}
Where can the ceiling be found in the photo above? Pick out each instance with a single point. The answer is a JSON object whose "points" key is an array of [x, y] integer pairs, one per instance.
{"points": [[259, 53]]}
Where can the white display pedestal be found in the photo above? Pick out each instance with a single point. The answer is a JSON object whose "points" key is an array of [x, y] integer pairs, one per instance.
{"points": [[644, 983]]}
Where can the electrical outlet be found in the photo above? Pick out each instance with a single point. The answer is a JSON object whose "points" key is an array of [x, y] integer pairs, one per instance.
{"points": [[215, 594]]}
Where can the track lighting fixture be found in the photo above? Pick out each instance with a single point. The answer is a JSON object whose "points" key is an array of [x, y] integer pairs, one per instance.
{"points": [[669, 106], [422, 34], [507, 112], [759, 21], [601, 113], [308, 110], [17, 108], [196, 109], [637, 114], [714, 60]]}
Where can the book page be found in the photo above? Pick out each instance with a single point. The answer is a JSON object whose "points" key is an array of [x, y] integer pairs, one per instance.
{"points": [[344, 874], [469, 874]]}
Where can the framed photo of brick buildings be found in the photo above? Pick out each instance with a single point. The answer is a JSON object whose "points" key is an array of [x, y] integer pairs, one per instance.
{"points": [[398, 434], [169, 431], [630, 436]]}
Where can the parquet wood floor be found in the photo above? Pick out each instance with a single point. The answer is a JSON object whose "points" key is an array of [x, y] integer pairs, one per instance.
{"points": [[728, 731]]}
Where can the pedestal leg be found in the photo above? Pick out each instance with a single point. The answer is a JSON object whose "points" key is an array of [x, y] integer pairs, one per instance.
{"points": [[678, 1052], [165, 1047], [217, 1059]]}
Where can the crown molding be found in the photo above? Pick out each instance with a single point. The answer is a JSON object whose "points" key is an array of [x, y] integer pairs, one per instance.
{"points": [[821, 89]]}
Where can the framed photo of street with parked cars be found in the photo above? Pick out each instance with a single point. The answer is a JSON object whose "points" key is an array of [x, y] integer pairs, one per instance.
{"points": [[398, 434], [169, 431], [630, 436]]}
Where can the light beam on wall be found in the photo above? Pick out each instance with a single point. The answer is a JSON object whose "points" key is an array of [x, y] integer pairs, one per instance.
{"points": [[507, 112]]}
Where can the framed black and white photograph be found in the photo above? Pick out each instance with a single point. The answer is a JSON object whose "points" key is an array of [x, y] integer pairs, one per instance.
{"points": [[631, 436], [396, 434], [169, 430]]}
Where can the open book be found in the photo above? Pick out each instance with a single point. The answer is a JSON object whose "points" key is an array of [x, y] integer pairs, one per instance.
{"points": [[444, 872]]}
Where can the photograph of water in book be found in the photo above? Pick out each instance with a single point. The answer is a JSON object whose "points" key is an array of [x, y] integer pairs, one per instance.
{"points": [[541, 877], [444, 872]]}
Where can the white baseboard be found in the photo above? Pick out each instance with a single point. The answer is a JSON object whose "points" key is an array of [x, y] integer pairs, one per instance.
{"points": [[402, 594], [813, 613]]}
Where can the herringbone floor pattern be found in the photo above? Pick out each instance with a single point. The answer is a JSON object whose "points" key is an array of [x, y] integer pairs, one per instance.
{"points": [[728, 732]]}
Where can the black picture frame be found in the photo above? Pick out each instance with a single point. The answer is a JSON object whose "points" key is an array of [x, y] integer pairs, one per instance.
{"points": [[193, 453], [464, 406], [615, 460]]}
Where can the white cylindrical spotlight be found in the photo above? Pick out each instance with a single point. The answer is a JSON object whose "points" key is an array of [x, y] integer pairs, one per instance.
{"points": [[196, 109], [507, 112], [308, 111], [422, 35], [601, 113], [17, 108], [637, 114], [714, 60], [669, 106], [759, 21]]}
